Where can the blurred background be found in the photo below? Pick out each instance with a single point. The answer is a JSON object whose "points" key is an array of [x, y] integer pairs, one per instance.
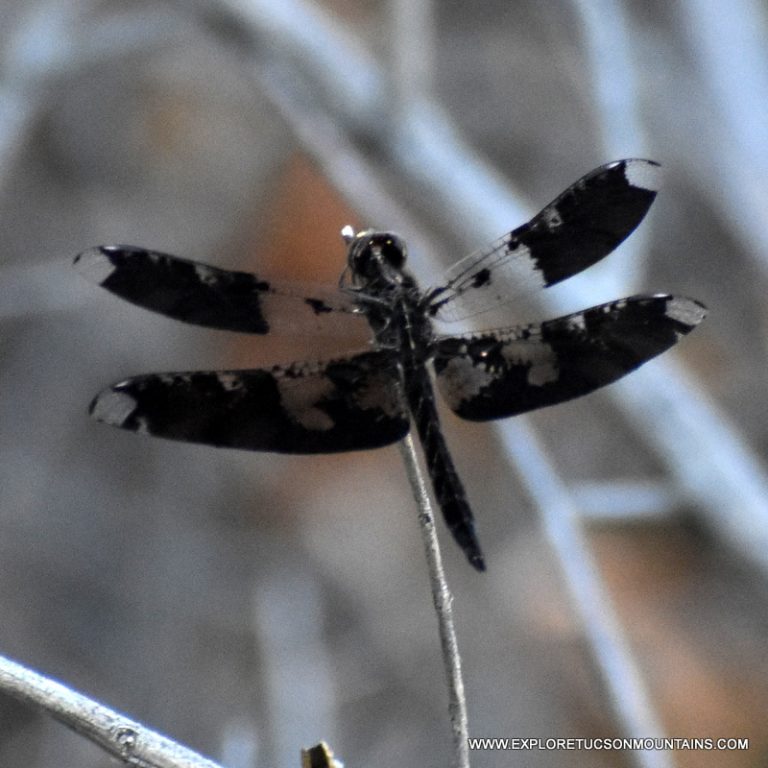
{"points": [[252, 604]]}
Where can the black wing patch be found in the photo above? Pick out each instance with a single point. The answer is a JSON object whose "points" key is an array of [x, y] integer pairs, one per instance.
{"points": [[216, 298], [515, 370], [349, 404], [584, 224]]}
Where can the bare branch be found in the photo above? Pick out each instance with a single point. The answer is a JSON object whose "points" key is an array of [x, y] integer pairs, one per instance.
{"points": [[121, 737], [443, 600]]}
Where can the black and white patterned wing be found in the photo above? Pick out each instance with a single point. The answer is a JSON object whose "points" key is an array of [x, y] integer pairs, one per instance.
{"points": [[584, 224], [345, 405], [515, 370], [217, 298]]}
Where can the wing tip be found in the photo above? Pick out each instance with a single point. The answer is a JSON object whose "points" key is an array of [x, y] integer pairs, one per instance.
{"points": [[642, 174], [477, 561], [688, 312], [98, 263], [467, 540], [95, 264], [113, 406], [681, 309]]}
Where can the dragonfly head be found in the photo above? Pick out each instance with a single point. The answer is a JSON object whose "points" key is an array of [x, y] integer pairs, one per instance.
{"points": [[375, 256]]}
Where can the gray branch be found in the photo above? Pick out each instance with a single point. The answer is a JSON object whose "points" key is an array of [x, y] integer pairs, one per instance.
{"points": [[443, 601], [131, 742]]}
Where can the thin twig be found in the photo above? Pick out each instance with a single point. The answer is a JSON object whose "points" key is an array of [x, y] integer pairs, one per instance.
{"points": [[125, 739], [443, 600]]}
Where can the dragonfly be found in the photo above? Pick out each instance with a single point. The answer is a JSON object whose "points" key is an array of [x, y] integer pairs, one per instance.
{"points": [[374, 397]]}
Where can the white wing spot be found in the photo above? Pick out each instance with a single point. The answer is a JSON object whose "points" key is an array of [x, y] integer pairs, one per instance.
{"points": [[462, 380], [230, 382], [299, 400], [685, 311], [205, 274], [114, 407], [578, 322], [94, 265], [142, 427], [553, 218], [643, 175], [540, 357], [381, 392]]}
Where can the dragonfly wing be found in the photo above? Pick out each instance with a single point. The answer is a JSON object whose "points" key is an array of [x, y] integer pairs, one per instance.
{"points": [[584, 224], [349, 404], [201, 294], [514, 370]]}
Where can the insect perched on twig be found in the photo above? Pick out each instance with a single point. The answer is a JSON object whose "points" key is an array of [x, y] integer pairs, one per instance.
{"points": [[369, 399]]}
